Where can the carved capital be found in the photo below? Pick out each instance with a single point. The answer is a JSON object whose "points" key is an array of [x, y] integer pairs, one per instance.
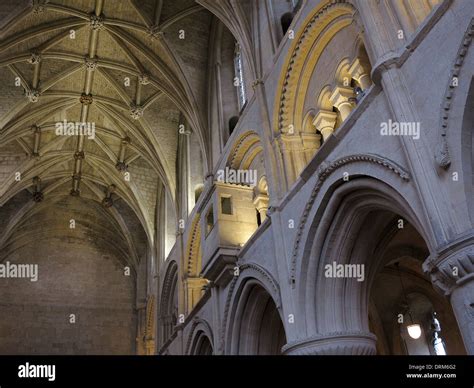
{"points": [[325, 122], [359, 70], [451, 269], [341, 96], [339, 343]]}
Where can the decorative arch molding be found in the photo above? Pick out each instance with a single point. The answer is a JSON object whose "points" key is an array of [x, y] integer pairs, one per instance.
{"points": [[168, 283], [442, 157], [245, 149], [194, 248], [200, 327], [339, 233], [319, 28], [248, 272], [324, 171]]}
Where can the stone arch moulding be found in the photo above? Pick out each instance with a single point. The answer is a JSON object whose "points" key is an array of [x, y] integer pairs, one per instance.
{"points": [[319, 28], [168, 284], [246, 148], [198, 326], [442, 156], [339, 233], [324, 171], [248, 272], [194, 248]]}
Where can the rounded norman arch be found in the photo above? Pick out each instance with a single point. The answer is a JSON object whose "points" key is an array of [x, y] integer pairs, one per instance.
{"points": [[200, 339], [255, 320], [333, 237]]}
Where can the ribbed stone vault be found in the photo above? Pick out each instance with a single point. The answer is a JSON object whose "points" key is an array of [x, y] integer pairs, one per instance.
{"points": [[121, 68]]}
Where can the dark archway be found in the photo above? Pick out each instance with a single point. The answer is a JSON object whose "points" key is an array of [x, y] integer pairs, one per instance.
{"points": [[364, 220], [258, 328], [402, 296], [203, 346], [168, 309]]}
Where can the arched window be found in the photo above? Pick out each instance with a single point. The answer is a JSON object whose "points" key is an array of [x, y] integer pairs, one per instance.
{"points": [[239, 81]]}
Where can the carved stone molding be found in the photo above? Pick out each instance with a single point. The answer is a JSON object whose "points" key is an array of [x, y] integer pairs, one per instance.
{"points": [[230, 293], [323, 172], [337, 343], [136, 112], [91, 63], [144, 79], [198, 322], [96, 22], [39, 6], [450, 270], [241, 146], [262, 274], [34, 58], [155, 32], [442, 157], [256, 83], [298, 56], [32, 95], [79, 155], [86, 99]]}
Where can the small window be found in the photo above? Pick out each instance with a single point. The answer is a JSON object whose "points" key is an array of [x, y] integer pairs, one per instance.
{"points": [[210, 220], [239, 76], [226, 205]]}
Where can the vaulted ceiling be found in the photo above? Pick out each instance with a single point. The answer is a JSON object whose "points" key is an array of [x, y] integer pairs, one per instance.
{"points": [[135, 70]]}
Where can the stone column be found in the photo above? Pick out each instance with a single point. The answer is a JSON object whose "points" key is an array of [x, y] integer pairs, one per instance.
{"points": [[347, 343], [452, 273], [194, 290], [311, 143], [325, 121], [340, 99], [261, 202]]}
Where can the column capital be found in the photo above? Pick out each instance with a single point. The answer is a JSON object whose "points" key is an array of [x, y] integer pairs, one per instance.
{"points": [[339, 343], [325, 118], [325, 122], [451, 268], [341, 95], [358, 67]]}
